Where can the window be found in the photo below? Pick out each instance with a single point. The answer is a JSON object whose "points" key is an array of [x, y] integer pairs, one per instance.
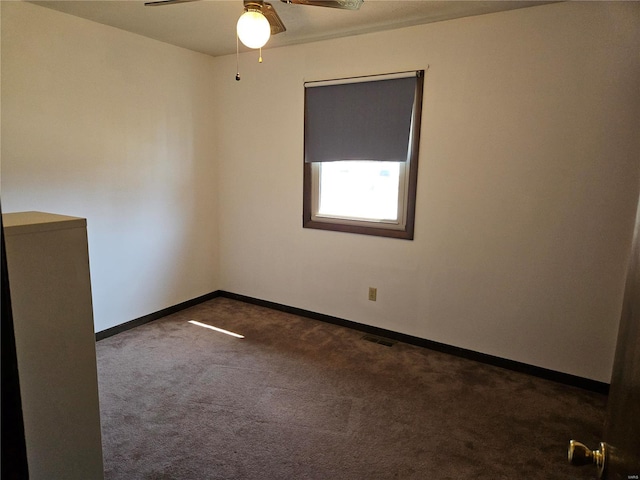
{"points": [[361, 154]]}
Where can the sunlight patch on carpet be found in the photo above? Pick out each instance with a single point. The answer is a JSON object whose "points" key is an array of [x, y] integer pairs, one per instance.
{"points": [[220, 330]]}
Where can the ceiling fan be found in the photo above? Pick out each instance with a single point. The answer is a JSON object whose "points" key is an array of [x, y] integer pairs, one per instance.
{"points": [[267, 10], [260, 20]]}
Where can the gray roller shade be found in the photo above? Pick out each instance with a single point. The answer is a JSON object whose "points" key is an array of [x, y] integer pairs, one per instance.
{"points": [[368, 120]]}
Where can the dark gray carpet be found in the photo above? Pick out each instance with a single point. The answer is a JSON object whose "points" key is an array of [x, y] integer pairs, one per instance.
{"points": [[302, 399]]}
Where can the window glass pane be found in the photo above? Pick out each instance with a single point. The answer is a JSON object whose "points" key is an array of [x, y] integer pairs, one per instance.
{"points": [[358, 189]]}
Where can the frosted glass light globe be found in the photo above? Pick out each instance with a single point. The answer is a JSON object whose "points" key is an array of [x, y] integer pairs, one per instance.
{"points": [[253, 29]]}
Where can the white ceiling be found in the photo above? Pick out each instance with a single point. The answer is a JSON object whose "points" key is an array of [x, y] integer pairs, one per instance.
{"points": [[208, 26]]}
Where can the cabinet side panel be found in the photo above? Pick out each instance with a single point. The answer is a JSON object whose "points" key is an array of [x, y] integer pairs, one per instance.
{"points": [[51, 294]]}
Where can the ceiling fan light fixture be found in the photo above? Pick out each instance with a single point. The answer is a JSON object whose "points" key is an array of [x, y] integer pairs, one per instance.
{"points": [[253, 29]]}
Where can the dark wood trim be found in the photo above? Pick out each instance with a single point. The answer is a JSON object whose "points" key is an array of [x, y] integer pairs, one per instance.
{"points": [[307, 193], [123, 327], [560, 377], [416, 128], [361, 229]]}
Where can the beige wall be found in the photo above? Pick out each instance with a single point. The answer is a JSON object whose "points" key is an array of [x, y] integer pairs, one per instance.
{"points": [[117, 128], [528, 182], [527, 186]]}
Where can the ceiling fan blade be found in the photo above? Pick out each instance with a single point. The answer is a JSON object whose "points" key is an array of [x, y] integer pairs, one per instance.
{"points": [[269, 12], [274, 19], [166, 2], [344, 4]]}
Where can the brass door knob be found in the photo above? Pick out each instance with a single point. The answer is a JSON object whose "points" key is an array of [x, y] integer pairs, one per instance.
{"points": [[580, 454]]}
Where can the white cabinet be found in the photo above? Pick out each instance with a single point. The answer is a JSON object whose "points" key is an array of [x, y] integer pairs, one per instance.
{"points": [[48, 263]]}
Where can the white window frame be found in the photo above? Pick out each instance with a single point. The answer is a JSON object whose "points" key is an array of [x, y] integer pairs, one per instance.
{"points": [[399, 224]]}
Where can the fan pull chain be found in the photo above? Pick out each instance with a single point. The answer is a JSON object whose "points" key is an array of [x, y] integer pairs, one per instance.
{"points": [[260, 57], [237, 61]]}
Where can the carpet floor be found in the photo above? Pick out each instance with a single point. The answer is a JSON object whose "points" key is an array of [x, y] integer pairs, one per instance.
{"points": [[301, 399]]}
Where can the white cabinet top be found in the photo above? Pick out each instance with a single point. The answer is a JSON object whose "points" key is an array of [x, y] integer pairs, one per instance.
{"points": [[29, 222]]}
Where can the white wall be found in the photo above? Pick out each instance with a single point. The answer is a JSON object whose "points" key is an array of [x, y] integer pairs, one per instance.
{"points": [[528, 183], [117, 128]]}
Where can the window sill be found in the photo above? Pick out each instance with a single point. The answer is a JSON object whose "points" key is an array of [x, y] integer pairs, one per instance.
{"points": [[406, 234]]}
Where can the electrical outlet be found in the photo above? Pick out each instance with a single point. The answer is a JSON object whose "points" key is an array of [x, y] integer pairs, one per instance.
{"points": [[373, 293]]}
